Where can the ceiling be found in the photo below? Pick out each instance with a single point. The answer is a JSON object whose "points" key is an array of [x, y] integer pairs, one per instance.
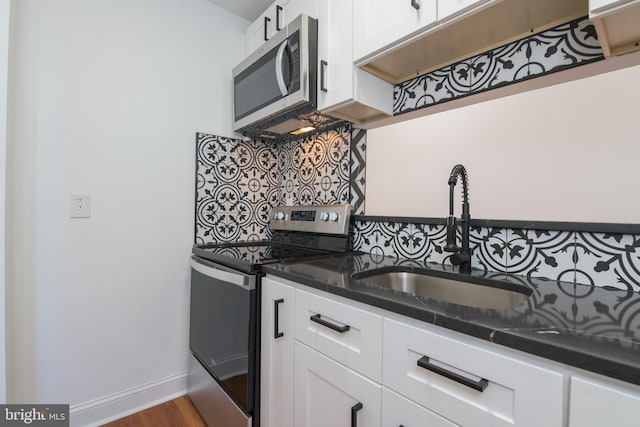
{"points": [[248, 9]]}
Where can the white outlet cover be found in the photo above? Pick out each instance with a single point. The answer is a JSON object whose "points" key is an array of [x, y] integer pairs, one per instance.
{"points": [[80, 206]]}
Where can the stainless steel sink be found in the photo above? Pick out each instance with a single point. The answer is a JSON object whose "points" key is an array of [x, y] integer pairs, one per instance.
{"points": [[464, 290]]}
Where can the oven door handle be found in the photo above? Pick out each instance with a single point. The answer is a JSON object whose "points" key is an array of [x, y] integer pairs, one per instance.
{"points": [[220, 273]]}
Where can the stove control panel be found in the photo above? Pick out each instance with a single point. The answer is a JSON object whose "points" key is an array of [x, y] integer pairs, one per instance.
{"points": [[326, 219]]}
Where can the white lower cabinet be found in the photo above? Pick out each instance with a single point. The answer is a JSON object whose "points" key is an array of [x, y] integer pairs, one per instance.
{"points": [[349, 335], [327, 393], [276, 357], [385, 370], [469, 385], [400, 411], [596, 403]]}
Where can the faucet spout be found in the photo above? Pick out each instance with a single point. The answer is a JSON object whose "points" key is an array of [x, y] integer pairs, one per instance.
{"points": [[461, 255]]}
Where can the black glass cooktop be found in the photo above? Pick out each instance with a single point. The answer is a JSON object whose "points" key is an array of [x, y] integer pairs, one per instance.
{"points": [[283, 247], [254, 252]]}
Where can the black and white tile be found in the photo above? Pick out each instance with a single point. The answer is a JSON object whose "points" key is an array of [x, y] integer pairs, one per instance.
{"points": [[597, 259], [316, 170], [565, 46], [235, 189], [358, 157], [238, 182]]}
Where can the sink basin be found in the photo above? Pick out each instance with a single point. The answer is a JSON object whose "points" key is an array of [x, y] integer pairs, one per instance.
{"points": [[471, 291]]}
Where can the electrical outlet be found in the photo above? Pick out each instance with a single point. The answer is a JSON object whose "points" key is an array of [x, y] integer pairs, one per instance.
{"points": [[80, 206]]}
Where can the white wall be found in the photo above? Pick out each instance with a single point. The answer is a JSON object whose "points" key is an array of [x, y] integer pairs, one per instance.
{"points": [[109, 96], [5, 33], [568, 152]]}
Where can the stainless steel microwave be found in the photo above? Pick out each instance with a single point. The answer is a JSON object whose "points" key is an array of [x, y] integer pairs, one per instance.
{"points": [[278, 81]]}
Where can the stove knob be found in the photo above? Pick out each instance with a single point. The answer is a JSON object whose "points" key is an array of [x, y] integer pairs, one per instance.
{"points": [[333, 216], [280, 216], [324, 216]]}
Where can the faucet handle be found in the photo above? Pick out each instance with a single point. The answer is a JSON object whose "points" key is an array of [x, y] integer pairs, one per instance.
{"points": [[451, 245]]}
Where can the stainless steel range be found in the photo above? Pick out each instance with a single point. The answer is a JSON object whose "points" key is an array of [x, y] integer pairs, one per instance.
{"points": [[224, 339]]}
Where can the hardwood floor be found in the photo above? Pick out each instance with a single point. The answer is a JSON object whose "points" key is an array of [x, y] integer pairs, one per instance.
{"points": [[178, 412]]}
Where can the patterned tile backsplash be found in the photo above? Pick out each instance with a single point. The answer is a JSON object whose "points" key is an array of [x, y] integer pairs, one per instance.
{"points": [[606, 260], [236, 186], [238, 181], [565, 46]]}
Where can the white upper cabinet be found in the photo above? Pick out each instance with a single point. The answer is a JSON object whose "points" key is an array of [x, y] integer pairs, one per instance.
{"points": [[379, 23], [293, 8], [335, 60], [396, 45], [345, 91], [276, 17], [618, 25]]}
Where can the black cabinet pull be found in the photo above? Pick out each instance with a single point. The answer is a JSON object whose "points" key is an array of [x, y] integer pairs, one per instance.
{"points": [[278, 10], [266, 24], [276, 319], [354, 414], [323, 67], [318, 319], [476, 385], [415, 4]]}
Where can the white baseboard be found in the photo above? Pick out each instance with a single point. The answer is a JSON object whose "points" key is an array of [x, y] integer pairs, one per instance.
{"points": [[118, 405]]}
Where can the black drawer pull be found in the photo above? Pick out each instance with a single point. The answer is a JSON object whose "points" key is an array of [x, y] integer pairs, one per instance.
{"points": [[276, 319], [415, 4], [476, 385], [266, 24], [318, 319], [354, 414]]}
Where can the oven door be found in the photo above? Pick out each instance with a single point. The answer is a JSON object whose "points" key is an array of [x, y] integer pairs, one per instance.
{"points": [[223, 326]]}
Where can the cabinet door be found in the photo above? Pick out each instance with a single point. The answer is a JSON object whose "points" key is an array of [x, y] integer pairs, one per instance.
{"points": [[379, 23], [329, 394], [335, 55], [255, 35], [594, 404], [469, 384], [291, 9], [276, 17], [276, 376], [398, 411]]}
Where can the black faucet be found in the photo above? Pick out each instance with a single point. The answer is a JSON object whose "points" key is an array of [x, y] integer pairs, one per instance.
{"points": [[461, 256]]}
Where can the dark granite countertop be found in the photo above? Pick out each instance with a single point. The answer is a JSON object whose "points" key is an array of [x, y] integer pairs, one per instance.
{"points": [[588, 327]]}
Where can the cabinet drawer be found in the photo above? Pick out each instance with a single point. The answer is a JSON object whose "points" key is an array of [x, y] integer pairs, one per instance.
{"points": [[452, 375], [349, 335], [398, 411]]}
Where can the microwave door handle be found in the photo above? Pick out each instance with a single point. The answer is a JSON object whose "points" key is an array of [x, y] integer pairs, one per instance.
{"points": [[279, 77]]}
